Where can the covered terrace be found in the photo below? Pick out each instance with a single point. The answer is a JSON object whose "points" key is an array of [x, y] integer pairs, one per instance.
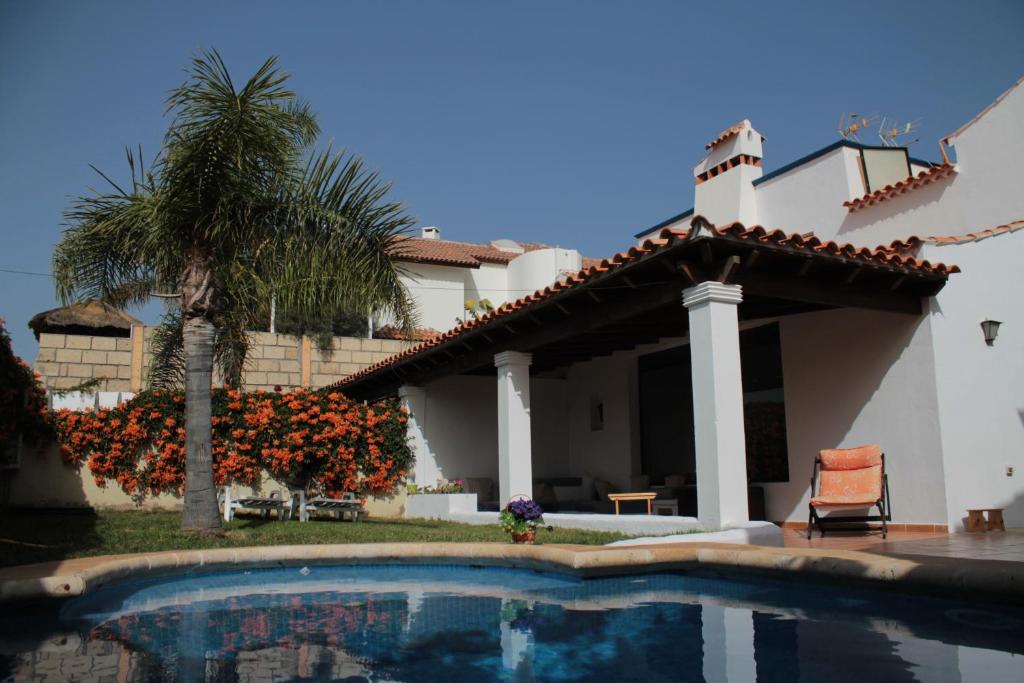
{"points": [[549, 385]]}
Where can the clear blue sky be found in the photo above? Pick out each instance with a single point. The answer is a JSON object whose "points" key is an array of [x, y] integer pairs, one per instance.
{"points": [[572, 123]]}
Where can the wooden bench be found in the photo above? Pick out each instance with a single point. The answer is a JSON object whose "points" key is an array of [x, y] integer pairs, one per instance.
{"points": [[985, 519], [619, 497]]}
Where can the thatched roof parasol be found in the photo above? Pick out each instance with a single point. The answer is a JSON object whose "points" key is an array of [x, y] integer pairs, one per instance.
{"points": [[93, 318]]}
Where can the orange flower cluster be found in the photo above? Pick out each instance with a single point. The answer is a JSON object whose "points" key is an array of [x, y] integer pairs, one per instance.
{"points": [[323, 443]]}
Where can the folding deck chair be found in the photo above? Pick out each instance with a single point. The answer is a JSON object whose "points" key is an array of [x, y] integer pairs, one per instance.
{"points": [[849, 479]]}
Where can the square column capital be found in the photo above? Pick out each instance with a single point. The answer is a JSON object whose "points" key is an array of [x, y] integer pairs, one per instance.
{"points": [[712, 292], [411, 391], [506, 358]]}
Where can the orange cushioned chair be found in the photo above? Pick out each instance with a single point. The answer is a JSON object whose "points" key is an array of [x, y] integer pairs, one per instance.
{"points": [[849, 479]]}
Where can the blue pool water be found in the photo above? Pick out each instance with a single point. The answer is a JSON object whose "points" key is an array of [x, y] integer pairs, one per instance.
{"points": [[464, 624]]}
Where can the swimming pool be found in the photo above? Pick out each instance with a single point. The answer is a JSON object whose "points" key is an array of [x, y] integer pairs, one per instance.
{"points": [[442, 623]]}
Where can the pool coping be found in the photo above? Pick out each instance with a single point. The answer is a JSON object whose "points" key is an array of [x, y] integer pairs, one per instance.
{"points": [[971, 579]]}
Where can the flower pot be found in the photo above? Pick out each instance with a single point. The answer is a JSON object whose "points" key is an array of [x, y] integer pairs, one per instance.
{"points": [[526, 538]]}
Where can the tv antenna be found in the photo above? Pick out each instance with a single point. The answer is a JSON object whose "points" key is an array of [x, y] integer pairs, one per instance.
{"points": [[852, 123], [892, 133]]}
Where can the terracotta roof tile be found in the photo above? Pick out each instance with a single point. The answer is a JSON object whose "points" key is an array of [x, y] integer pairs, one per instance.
{"points": [[728, 133], [806, 242], [392, 332], [460, 254], [923, 178], [911, 243]]}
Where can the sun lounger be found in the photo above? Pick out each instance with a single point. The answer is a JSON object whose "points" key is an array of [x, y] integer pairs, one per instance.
{"points": [[275, 502], [348, 505]]}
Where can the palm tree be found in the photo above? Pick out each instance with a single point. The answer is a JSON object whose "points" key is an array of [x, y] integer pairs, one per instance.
{"points": [[236, 208]]}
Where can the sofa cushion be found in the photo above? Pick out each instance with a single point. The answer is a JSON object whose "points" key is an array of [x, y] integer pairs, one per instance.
{"points": [[603, 488], [675, 481]]}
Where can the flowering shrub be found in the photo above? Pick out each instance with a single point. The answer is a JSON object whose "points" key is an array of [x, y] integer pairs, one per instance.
{"points": [[22, 398], [521, 515], [303, 439]]}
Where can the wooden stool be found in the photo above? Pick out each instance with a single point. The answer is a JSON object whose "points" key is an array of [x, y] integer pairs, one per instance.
{"points": [[665, 506], [977, 521]]}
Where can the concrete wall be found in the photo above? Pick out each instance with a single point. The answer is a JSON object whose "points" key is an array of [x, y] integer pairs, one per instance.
{"points": [[274, 360], [854, 377], [980, 387]]}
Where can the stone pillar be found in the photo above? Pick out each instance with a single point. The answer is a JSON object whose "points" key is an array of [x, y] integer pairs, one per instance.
{"points": [[425, 471], [515, 463], [138, 349], [305, 361], [717, 404]]}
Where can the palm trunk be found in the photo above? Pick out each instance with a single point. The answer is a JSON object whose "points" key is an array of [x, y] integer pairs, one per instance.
{"points": [[200, 513]]}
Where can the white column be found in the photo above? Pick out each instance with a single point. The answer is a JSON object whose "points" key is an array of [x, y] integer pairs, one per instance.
{"points": [[728, 635], [717, 404], [515, 464], [425, 471]]}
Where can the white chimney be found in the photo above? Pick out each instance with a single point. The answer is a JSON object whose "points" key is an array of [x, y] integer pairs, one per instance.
{"points": [[725, 178], [430, 233]]}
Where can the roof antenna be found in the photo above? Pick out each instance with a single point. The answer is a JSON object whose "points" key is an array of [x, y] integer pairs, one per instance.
{"points": [[895, 134], [851, 123]]}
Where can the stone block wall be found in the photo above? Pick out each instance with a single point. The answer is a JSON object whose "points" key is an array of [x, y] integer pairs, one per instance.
{"points": [[66, 360], [349, 355], [274, 360]]}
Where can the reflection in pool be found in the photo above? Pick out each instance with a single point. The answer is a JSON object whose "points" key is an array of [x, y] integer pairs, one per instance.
{"points": [[416, 623]]}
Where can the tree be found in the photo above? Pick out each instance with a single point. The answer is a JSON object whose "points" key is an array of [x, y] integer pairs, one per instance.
{"points": [[237, 207]]}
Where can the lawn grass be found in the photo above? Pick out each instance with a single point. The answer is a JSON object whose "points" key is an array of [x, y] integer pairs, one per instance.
{"points": [[27, 537]]}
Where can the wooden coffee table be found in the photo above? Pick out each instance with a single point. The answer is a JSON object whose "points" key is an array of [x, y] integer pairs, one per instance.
{"points": [[619, 497]]}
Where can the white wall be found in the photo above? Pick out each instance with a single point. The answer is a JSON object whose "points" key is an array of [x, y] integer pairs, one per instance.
{"points": [[980, 387], [611, 453], [810, 198], [461, 426], [539, 268], [439, 292], [988, 154], [490, 281], [854, 377]]}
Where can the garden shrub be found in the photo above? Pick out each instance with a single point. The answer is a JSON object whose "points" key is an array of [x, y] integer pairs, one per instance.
{"points": [[23, 409], [323, 442]]}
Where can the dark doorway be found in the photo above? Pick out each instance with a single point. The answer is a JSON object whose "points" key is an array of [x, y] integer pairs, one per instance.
{"points": [[666, 410]]}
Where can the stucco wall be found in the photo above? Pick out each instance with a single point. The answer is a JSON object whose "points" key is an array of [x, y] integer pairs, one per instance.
{"points": [[854, 377], [44, 481], [980, 387], [439, 293], [610, 453]]}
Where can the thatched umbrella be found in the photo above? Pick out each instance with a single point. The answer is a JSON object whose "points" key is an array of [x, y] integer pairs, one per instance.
{"points": [[93, 318]]}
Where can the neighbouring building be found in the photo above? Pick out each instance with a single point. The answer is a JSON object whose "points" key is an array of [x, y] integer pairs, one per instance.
{"points": [[448, 280], [834, 301]]}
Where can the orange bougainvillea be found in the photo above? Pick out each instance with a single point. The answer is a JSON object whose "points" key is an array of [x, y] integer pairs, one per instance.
{"points": [[321, 442]]}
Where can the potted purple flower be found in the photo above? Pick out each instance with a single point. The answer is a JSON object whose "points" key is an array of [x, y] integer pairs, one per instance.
{"points": [[520, 518]]}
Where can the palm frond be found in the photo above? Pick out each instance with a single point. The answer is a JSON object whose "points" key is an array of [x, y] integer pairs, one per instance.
{"points": [[167, 362]]}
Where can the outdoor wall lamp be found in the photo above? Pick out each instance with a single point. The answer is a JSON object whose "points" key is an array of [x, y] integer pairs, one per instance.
{"points": [[990, 328]]}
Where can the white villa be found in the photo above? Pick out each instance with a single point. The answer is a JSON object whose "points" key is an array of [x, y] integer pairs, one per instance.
{"points": [[444, 276], [815, 306]]}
